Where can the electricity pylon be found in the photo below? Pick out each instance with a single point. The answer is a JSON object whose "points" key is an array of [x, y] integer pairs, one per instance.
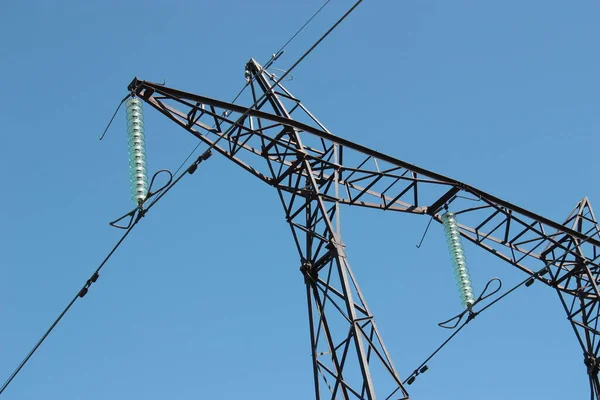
{"points": [[315, 173]]}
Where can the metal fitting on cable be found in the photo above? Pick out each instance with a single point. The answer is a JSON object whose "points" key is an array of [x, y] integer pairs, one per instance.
{"points": [[416, 373], [89, 282], [203, 157]]}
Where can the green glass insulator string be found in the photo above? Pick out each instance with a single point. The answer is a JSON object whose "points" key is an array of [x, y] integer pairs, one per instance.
{"points": [[459, 261], [138, 174]]}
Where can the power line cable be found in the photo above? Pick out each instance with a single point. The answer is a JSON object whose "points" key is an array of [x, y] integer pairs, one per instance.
{"points": [[286, 73], [92, 279], [136, 216], [471, 316], [274, 57]]}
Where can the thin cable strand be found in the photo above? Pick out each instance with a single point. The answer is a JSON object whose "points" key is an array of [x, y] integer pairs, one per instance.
{"points": [[166, 190], [266, 66], [469, 320], [62, 314], [282, 77], [139, 216]]}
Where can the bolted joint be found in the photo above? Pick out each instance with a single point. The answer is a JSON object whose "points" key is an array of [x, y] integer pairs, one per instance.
{"points": [[309, 272], [332, 248], [301, 154], [592, 364], [133, 86], [336, 249]]}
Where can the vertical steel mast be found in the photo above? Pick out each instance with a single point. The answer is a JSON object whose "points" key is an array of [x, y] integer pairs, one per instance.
{"points": [[576, 279], [346, 345], [344, 338]]}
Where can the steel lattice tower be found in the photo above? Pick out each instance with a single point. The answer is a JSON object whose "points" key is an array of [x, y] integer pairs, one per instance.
{"points": [[315, 173]]}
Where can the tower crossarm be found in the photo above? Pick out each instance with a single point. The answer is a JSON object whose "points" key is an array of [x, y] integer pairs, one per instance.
{"points": [[265, 144], [315, 172]]}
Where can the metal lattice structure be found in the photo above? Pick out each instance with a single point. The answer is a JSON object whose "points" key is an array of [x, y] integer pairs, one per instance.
{"points": [[315, 173]]}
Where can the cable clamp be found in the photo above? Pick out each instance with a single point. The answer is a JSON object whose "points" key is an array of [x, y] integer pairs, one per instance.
{"points": [[416, 373], [592, 364], [203, 157], [87, 285]]}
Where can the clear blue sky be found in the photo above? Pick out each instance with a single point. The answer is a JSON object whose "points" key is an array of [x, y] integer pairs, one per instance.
{"points": [[205, 299]]}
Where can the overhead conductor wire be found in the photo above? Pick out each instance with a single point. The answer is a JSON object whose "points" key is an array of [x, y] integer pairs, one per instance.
{"points": [[142, 212], [267, 65], [411, 377], [138, 214]]}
